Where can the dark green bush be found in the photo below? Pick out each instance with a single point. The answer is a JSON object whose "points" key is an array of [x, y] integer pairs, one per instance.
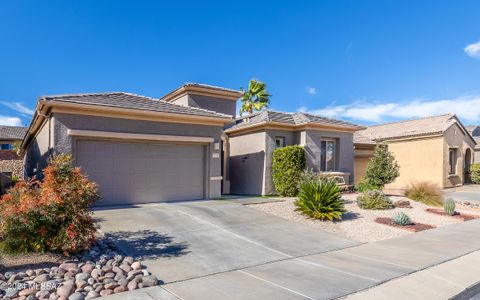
{"points": [[475, 173], [364, 186], [320, 199], [287, 169], [374, 199]]}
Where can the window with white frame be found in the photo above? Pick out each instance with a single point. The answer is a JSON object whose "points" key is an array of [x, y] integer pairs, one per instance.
{"points": [[452, 160], [279, 141], [328, 154], [6, 147]]}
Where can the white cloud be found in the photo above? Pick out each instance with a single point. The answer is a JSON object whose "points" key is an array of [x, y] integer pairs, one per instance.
{"points": [[312, 91], [473, 50], [19, 107], [467, 108], [10, 121]]}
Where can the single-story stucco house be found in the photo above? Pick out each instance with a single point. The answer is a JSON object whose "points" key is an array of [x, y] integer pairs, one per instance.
{"points": [[252, 139], [137, 149], [186, 145], [436, 149], [10, 163]]}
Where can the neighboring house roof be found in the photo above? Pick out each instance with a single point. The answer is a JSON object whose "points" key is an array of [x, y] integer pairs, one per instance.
{"points": [[266, 117], [202, 89], [8, 155], [406, 129], [474, 130], [12, 132], [132, 101]]}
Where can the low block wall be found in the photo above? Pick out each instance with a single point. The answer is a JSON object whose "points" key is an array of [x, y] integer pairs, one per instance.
{"points": [[15, 166]]}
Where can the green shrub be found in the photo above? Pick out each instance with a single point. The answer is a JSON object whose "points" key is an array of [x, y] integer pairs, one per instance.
{"points": [[449, 207], [382, 167], [475, 173], [401, 219], [52, 215], [426, 192], [320, 199], [287, 169], [364, 186], [374, 199]]}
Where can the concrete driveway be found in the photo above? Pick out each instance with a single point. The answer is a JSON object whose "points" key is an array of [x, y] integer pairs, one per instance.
{"points": [[470, 193], [223, 250], [185, 240]]}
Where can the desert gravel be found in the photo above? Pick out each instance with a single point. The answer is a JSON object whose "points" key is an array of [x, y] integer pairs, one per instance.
{"points": [[358, 224]]}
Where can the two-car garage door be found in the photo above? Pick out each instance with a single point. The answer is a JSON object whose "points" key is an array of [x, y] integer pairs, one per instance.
{"points": [[131, 172]]}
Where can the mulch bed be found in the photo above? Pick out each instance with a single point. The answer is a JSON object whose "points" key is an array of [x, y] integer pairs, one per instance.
{"points": [[457, 215], [415, 227]]}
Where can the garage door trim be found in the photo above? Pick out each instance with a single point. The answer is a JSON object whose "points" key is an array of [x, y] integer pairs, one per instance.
{"points": [[138, 136]]}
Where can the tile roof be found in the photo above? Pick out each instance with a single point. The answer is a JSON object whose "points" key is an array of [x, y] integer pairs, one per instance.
{"points": [[208, 86], [12, 132], [132, 101], [474, 130], [294, 119], [409, 128]]}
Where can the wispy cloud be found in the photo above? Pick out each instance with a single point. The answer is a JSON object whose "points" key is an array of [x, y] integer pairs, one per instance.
{"points": [[10, 121], [312, 91], [467, 108], [18, 107], [473, 50]]}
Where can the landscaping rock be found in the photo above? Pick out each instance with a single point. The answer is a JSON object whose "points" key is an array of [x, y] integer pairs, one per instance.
{"points": [[76, 296], [132, 285], [92, 295], [149, 281], [104, 293], [66, 289], [82, 276], [402, 204], [136, 265], [41, 278], [27, 292]]}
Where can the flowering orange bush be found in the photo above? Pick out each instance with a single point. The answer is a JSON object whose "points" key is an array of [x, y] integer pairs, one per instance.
{"points": [[49, 215]]}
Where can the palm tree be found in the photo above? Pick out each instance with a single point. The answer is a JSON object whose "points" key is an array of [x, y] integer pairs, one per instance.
{"points": [[255, 98]]}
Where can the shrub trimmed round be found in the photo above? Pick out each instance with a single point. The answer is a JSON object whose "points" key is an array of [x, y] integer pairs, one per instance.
{"points": [[374, 199], [475, 173], [287, 169]]}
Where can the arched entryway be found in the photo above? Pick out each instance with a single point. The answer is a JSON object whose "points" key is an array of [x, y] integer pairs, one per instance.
{"points": [[467, 163]]}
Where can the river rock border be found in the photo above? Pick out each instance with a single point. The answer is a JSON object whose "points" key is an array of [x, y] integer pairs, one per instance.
{"points": [[102, 271]]}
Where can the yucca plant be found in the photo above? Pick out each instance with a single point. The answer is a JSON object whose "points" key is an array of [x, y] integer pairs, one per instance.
{"points": [[320, 199]]}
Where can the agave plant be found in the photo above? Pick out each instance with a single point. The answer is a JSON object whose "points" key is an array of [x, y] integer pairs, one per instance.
{"points": [[320, 199]]}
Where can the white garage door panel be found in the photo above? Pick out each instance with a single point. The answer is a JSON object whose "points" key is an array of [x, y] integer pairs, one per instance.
{"points": [[129, 173]]}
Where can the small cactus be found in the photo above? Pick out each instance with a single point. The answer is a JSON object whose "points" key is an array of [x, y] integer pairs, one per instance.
{"points": [[401, 219], [449, 207]]}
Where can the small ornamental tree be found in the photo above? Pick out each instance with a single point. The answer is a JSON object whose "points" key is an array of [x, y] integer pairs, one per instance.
{"points": [[287, 169], [382, 167]]}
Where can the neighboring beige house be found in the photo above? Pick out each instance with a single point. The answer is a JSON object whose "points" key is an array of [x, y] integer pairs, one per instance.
{"points": [[10, 163], [436, 149], [475, 132]]}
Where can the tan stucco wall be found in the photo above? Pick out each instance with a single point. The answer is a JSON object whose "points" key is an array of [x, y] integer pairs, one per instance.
{"points": [[455, 138], [360, 168], [419, 160]]}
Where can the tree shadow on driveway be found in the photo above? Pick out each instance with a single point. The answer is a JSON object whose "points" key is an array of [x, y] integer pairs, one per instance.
{"points": [[147, 244]]}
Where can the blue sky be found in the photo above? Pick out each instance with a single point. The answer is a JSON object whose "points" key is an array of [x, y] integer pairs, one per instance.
{"points": [[364, 61]]}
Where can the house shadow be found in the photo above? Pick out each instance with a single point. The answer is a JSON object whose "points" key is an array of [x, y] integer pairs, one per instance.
{"points": [[147, 244]]}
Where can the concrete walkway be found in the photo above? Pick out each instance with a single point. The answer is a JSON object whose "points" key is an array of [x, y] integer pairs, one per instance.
{"points": [[470, 193], [332, 272]]}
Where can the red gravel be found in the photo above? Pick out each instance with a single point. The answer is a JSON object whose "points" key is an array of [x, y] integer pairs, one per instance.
{"points": [[457, 215], [415, 227]]}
